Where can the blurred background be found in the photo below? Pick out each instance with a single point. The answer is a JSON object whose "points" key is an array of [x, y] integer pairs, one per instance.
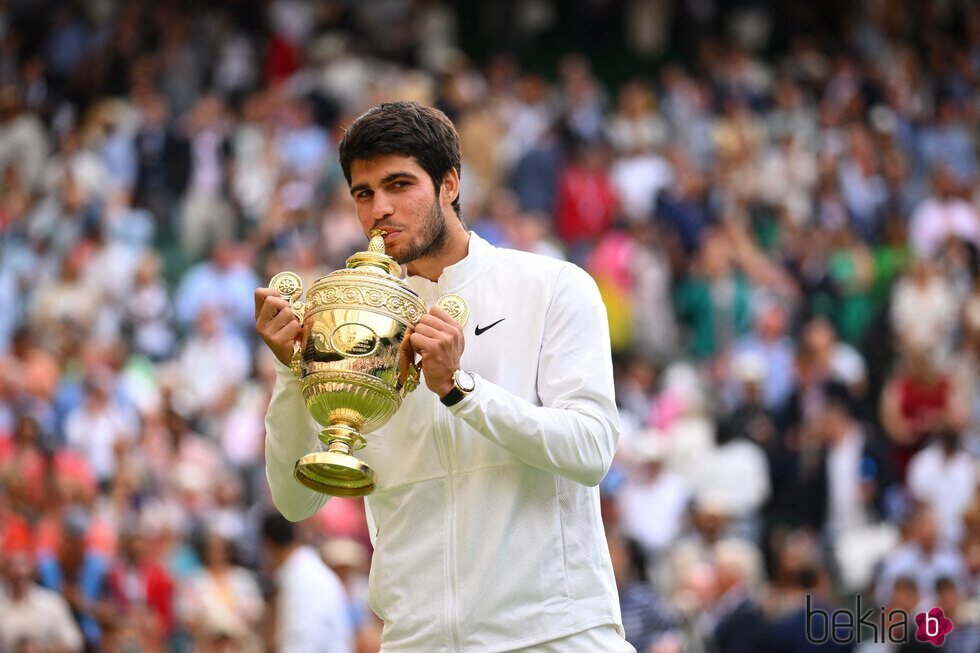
{"points": [[778, 200]]}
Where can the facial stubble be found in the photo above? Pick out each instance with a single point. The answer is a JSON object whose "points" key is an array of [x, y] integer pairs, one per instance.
{"points": [[432, 239]]}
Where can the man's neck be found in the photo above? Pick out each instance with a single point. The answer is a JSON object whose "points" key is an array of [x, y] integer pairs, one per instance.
{"points": [[455, 250]]}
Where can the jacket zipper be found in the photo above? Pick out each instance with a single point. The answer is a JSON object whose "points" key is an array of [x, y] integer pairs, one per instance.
{"points": [[452, 618], [444, 444]]}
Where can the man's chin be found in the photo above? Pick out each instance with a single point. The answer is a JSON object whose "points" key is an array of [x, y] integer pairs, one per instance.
{"points": [[396, 253], [402, 253]]}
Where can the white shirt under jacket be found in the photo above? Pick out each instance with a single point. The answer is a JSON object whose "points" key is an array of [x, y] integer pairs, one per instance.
{"points": [[485, 519]]}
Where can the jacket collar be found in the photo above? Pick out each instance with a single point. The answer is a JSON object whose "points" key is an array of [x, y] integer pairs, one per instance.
{"points": [[459, 274]]}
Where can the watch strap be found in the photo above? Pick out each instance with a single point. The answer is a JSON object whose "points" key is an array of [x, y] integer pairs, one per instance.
{"points": [[452, 397]]}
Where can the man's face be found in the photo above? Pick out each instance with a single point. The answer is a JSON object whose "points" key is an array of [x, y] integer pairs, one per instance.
{"points": [[393, 192]]}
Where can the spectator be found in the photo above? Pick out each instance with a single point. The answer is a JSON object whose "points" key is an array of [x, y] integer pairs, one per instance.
{"points": [[923, 558], [919, 397], [638, 134], [903, 599], [833, 360], [79, 572], [348, 558], [771, 344], [304, 625], [683, 207], [714, 301], [707, 526], [223, 280], [100, 429], [858, 473], [962, 611], [33, 614], [206, 216], [942, 215], [223, 598], [303, 144], [586, 202], [802, 588], [653, 502], [736, 475], [649, 623], [923, 310], [22, 139], [943, 475], [211, 361], [736, 622], [163, 163], [149, 314], [946, 141], [141, 590]]}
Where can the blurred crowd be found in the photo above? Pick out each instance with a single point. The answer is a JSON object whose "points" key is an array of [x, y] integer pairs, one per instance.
{"points": [[784, 223]]}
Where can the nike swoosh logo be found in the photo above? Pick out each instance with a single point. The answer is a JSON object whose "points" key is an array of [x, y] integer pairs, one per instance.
{"points": [[479, 330]]}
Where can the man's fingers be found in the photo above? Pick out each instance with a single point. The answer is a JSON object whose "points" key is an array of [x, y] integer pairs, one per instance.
{"points": [[406, 345], [422, 343], [260, 296], [289, 332], [428, 331], [407, 355], [282, 318], [439, 322], [439, 313], [270, 309]]}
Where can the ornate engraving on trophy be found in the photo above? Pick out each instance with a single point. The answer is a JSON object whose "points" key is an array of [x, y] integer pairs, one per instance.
{"points": [[355, 340]]}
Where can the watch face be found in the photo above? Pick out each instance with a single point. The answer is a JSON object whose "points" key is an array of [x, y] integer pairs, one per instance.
{"points": [[464, 380]]}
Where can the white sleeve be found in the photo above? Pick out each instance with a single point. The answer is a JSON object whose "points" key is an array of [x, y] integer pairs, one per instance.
{"points": [[290, 434], [575, 431]]}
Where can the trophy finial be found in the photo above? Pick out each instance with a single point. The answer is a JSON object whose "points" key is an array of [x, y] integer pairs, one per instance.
{"points": [[377, 243], [375, 256]]}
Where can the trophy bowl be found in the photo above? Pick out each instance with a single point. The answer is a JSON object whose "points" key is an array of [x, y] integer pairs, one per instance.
{"points": [[352, 361]]}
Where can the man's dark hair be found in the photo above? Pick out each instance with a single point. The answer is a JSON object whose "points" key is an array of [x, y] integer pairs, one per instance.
{"points": [[278, 530], [406, 129]]}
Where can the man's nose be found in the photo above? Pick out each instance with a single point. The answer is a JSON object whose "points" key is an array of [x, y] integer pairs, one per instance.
{"points": [[381, 208]]}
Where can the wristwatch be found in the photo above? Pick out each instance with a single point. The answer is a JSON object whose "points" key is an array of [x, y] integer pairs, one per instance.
{"points": [[463, 384]]}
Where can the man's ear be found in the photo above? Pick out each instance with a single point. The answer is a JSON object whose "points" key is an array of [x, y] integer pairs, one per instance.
{"points": [[450, 186]]}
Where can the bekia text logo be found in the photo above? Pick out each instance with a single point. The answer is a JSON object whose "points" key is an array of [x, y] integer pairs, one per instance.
{"points": [[874, 625], [932, 627]]}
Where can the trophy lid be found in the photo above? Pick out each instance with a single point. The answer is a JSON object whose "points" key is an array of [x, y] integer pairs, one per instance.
{"points": [[375, 256]]}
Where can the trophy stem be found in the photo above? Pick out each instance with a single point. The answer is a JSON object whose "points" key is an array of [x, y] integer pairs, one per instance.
{"points": [[339, 446], [335, 471], [342, 438]]}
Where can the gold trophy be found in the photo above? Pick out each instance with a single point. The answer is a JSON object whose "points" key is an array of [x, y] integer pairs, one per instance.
{"points": [[353, 361]]}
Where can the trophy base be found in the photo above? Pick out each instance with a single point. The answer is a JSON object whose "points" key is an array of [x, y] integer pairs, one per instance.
{"points": [[334, 473]]}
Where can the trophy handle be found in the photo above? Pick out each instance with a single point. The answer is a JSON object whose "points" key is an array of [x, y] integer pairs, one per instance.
{"points": [[409, 376], [290, 287]]}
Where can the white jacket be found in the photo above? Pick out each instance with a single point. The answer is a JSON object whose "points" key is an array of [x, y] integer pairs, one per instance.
{"points": [[486, 519]]}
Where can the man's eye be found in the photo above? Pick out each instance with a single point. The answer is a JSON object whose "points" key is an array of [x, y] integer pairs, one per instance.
{"points": [[399, 184], [363, 195]]}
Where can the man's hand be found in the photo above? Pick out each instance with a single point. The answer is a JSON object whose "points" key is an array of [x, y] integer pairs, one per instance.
{"points": [[439, 340], [276, 323]]}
